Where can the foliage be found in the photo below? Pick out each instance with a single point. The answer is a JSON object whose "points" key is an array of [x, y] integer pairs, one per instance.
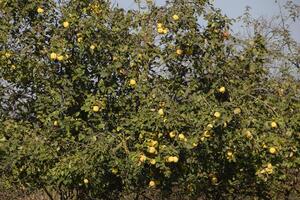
{"points": [[283, 48], [99, 102]]}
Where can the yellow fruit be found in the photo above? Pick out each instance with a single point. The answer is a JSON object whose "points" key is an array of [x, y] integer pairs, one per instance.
{"points": [[66, 24], [152, 150], [214, 180], [272, 150], [274, 125], [140, 56], [175, 159], [264, 145], [181, 136], [170, 159], [86, 181], [175, 17], [132, 82], [152, 143], [151, 184], [79, 39], [40, 10], [248, 135], [229, 154], [55, 123], [217, 114], [161, 111], [7, 55], [159, 25], [222, 89], [160, 30], [53, 56], [281, 92], [179, 51], [209, 126], [96, 108], [114, 170], [206, 134], [237, 111], [269, 171], [195, 144], [13, 66], [269, 165], [172, 134], [60, 58], [143, 158], [269, 168], [92, 47], [152, 161], [261, 171], [165, 31]]}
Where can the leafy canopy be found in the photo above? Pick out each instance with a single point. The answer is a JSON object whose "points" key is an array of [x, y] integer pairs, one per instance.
{"points": [[109, 102]]}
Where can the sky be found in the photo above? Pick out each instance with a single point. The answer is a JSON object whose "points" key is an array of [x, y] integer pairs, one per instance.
{"points": [[235, 8]]}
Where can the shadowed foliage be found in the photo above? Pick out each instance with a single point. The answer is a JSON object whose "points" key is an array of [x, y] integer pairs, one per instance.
{"points": [[98, 102]]}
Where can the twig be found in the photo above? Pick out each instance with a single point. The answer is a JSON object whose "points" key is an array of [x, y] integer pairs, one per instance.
{"points": [[267, 105], [48, 193]]}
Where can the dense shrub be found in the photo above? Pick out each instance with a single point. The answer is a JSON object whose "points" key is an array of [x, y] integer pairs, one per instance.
{"points": [[104, 102]]}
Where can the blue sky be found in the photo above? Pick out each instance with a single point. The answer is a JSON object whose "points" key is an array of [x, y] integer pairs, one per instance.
{"points": [[235, 8], [265, 8]]}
